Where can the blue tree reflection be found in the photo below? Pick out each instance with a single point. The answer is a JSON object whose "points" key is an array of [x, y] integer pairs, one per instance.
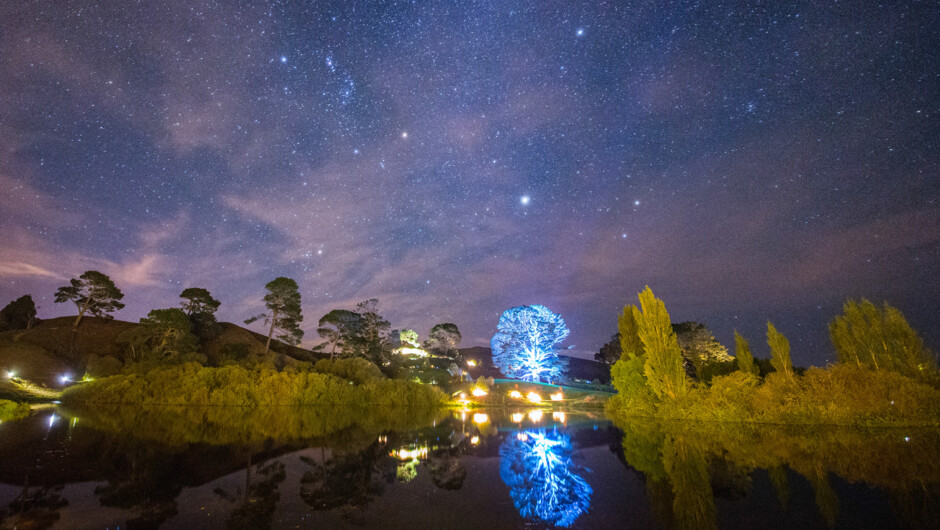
{"points": [[536, 465]]}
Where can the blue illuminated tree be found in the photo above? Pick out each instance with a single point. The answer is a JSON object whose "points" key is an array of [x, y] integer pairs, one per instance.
{"points": [[536, 465], [524, 345]]}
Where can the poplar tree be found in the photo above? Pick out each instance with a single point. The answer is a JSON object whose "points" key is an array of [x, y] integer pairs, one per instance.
{"points": [[742, 352], [283, 303], [631, 346], [663, 368], [779, 351]]}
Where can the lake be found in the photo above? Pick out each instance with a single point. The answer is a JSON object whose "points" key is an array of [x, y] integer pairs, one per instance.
{"points": [[398, 468]]}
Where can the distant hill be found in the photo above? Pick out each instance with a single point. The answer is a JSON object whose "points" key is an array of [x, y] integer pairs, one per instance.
{"points": [[578, 369], [41, 354]]}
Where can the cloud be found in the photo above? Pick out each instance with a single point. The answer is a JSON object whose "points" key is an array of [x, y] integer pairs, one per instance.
{"points": [[25, 269]]}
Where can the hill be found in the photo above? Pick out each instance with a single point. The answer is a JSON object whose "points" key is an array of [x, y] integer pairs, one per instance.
{"points": [[582, 370], [42, 354]]}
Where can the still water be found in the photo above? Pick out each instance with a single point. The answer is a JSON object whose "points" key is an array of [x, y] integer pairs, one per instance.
{"points": [[391, 468]]}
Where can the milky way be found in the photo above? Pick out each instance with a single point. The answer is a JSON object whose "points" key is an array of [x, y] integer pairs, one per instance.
{"points": [[747, 162]]}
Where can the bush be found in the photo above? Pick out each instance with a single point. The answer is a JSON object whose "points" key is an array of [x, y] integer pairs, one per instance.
{"points": [[193, 384], [355, 369], [11, 410], [103, 366]]}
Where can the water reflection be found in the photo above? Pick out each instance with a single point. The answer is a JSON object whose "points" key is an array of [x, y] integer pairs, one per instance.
{"points": [[536, 465], [686, 465]]}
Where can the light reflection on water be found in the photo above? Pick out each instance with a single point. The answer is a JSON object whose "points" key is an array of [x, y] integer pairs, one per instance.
{"points": [[335, 467]]}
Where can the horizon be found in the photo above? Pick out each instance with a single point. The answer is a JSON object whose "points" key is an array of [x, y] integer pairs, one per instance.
{"points": [[455, 161]]}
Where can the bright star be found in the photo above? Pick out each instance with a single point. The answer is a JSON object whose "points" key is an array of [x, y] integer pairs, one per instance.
{"points": [[525, 200], [404, 134], [636, 202], [284, 59], [580, 32]]}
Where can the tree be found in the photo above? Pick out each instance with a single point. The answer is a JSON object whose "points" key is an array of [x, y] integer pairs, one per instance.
{"points": [[371, 341], [18, 314], [610, 352], [663, 368], [524, 345], [200, 307], [880, 339], [283, 302], [742, 353], [443, 340], [93, 293], [698, 342], [338, 327], [779, 351], [631, 346], [169, 333]]}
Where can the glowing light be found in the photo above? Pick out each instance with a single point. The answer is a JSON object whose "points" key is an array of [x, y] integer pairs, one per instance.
{"points": [[543, 481], [480, 417], [518, 417], [475, 440], [558, 416], [471, 362], [417, 352], [525, 200], [534, 397], [65, 379], [283, 59], [535, 416], [558, 396], [524, 345], [404, 135], [478, 392], [515, 394], [414, 453], [11, 374], [52, 420]]}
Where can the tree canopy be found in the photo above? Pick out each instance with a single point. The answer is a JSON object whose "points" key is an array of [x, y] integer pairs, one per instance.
{"points": [[338, 327], [197, 300], [524, 345], [93, 293], [443, 340], [283, 303], [18, 314]]}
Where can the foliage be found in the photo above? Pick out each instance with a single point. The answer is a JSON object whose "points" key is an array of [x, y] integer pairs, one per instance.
{"points": [[371, 340], [543, 481], [193, 384], [524, 345], [18, 314], [779, 351], [168, 332], [103, 366], [339, 327], [610, 352], [200, 307], [93, 293], [699, 348], [880, 339], [403, 338], [283, 303], [11, 410], [352, 369], [742, 354], [443, 340], [663, 369], [630, 344]]}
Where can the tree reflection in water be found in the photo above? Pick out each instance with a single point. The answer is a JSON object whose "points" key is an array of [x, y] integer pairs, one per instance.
{"points": [[536, 465]]}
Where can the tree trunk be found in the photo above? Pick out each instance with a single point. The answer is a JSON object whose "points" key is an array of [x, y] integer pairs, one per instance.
{"points": [[267, 345]]}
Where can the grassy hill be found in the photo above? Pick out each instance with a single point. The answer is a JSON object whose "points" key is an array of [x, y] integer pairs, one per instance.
{"points": [[42, 354]]}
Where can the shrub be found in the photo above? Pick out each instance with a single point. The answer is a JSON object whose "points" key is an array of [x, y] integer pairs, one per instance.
{"points": [[355, 369]]}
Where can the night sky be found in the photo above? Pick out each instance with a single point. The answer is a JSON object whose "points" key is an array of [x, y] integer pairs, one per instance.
{"points": [[748, 162]]}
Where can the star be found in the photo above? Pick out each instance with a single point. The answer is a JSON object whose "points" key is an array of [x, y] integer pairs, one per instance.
{"points": [[580, 32], [404, 135], [524, 200], [284, 59], [636, 202]]}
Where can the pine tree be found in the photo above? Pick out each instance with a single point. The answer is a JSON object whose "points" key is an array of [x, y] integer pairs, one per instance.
{"points": [[283, 302], [779, 351], [742, 352]]}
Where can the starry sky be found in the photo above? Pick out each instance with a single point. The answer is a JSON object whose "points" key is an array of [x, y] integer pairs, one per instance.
{"points": [[747, 160]]}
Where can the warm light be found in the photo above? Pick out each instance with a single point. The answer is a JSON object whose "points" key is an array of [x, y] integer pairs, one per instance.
{"points": [[463, 416], [515, 394], [522, 436], [535, 416], [534, 397], [558, 396], [411, 454], [417, 352], [558, 416], [478, 392], [471, 362], [517, 417], [475, 440], [11, 374], [480, 418]]}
